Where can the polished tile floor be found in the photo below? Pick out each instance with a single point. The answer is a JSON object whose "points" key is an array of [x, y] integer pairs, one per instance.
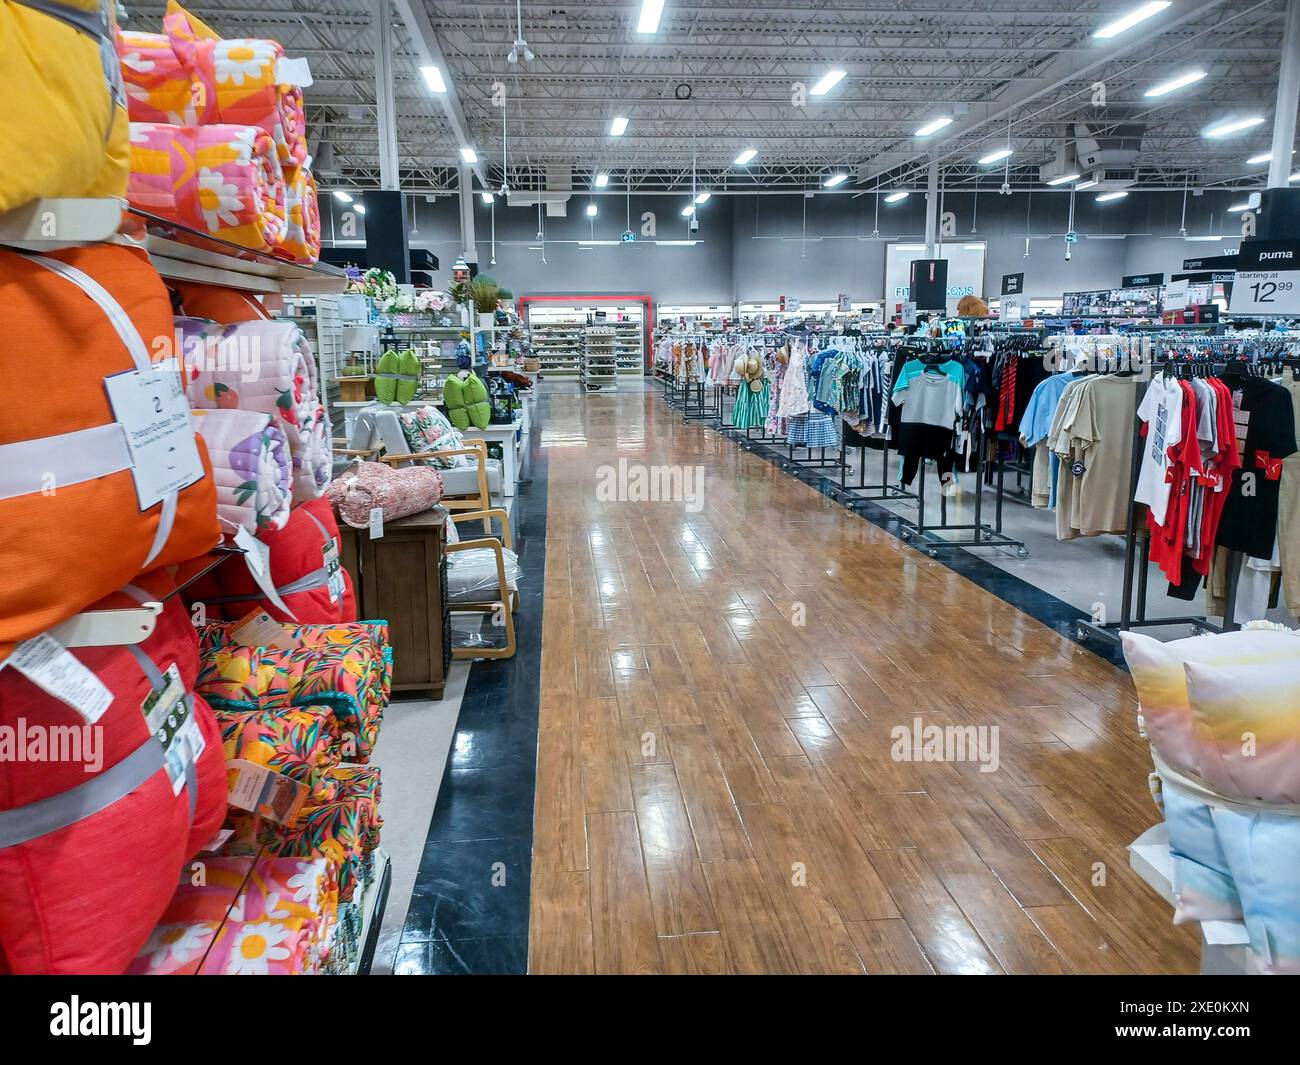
{"points": [[720, 786]]}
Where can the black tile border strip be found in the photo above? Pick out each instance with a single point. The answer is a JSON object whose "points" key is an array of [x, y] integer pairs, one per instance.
{"points": [[499, 709]]}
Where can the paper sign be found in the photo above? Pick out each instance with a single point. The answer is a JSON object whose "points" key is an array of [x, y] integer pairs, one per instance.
{"points": [[296, 72], [843, 302], [334, 570], [259, 629], [52, 668], [262, 791], [151, 408], [1175, 296], [376, 523], [1268, 278], [257, 556]]}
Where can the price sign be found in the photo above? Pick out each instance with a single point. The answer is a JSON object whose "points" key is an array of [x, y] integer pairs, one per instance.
{"points": [[1268, 278]]}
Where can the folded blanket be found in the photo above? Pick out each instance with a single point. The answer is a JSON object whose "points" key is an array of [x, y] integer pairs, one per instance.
{"points": [[189, 75], [282, 947], [347, 668], [304, 889], [62, 129], [337, 831], [251, 467], [268, 367], [399, 493], [301, 742], [301, 240], [222, 180]]}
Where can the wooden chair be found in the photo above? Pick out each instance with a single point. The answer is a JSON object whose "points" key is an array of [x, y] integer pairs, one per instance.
{"points": [[507, 599]]}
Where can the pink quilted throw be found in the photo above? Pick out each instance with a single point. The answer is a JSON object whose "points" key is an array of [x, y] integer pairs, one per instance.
{"points": [[399, 493], [225, 181]]}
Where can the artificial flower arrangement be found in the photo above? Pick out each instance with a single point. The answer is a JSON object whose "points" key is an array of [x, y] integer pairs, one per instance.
{"points": [[378, 284], [427, 301]]}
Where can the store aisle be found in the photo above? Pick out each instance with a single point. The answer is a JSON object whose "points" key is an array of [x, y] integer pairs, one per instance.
{"points": [[719, 788]]}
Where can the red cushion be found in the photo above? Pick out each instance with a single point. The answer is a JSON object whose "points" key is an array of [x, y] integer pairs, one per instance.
{"points": [[83, 899], [296, 551]]}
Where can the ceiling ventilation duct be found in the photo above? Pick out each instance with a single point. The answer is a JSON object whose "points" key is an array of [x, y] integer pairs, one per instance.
{"points": [[559, 188], [1108, 145]]}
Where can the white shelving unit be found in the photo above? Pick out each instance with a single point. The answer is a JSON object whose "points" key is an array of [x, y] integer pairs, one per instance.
{"points": [[629, 348], [600, 358], [557, 342]]}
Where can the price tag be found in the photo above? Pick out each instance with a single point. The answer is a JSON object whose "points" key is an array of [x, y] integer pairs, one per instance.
{"points": [[334, 570], [52, 668], [151, 408], [259, 629], [168, 715], [262, 791], [376, 523]]}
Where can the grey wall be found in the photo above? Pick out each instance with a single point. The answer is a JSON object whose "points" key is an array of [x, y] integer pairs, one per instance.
{"points": [[753, 247]]}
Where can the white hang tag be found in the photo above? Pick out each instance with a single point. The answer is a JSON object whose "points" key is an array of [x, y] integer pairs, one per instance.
{"points": [[376, 523], [52, 668], [259, 629], [170, 720], [295, 72], [333, 570], [153, 412], [258, 558]]}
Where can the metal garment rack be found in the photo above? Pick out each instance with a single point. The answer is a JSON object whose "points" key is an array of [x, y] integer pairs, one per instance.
{"points": [[862, 492]]}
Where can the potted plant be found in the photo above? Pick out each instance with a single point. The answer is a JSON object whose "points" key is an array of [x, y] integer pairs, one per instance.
{"points": [[486, 294]]}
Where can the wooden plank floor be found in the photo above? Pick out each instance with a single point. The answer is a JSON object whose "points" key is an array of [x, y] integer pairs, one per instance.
{"points": [[716, 791]]}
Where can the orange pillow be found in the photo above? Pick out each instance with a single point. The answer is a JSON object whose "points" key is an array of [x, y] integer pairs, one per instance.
{"points": [[68, 544], [223, 305]]}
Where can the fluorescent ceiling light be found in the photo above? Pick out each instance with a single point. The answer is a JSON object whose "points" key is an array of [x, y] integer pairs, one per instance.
{"points": [[1086, 184], [895, 197], [360, 209], [677, 243], [1263, 157], [909, 247], [1127, 22], [746, 156], [703, 197], [651, 11], [933, 126], [1224, 129], [618, 126], [602, 180], [1238, 208], [342, 196], [488, 197], [688, 210], [972, 247], [835, 179], [1295, 176], [591, 210], [1107, 197], [1204, 238], [469, 155], [1064, 179], [996, 157], [828, 81], [433, 79], [1181, 82]]}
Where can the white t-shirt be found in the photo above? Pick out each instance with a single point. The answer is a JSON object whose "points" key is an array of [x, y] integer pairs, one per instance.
{"points": [[1162, 411]]}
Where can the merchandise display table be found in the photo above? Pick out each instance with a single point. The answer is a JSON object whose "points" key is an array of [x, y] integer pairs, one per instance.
{"points": [[511, 438]]}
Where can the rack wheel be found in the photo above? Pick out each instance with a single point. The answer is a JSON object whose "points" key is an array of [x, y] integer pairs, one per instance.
{"points": [[933, 552], [1022, 552], [1083, 635], [907, 534]]}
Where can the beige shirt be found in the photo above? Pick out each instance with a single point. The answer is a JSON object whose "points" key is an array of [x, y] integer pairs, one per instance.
{"points": [[1096, 433]]}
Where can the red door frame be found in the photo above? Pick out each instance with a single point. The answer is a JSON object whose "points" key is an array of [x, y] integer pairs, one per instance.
{"points": [[647, 322]]}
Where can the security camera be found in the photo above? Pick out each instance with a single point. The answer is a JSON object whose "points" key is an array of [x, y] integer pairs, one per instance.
{"points": [[694, 225], [1067, 253]]}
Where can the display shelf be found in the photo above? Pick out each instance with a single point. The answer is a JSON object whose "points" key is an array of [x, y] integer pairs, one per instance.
{"points": [[184, 254], [374, 901], [49, 223]]}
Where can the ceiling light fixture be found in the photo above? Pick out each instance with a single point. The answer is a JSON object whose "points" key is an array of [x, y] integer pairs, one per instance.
{"points": [[1238, 208], [1064, 179], [835, 179], [1202, 239], [677, 243], [688, 210], [618, 126], [591, 210], [828, 81], [520, 50], [469, 155], [1263, 157], [651, 12], [997, 157], [896, 197], [433, 78], [745, 157], [1180, 82], [934, 125], [359, 209], [488, 197], [602, 180], [1090, 183], [1295, 176], [1127, 22], [1109, 197], [1236, 125], [703, 197], [342, 196]]}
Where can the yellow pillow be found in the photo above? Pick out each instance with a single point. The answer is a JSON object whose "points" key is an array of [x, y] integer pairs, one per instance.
{"points": [[63, 126]]}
